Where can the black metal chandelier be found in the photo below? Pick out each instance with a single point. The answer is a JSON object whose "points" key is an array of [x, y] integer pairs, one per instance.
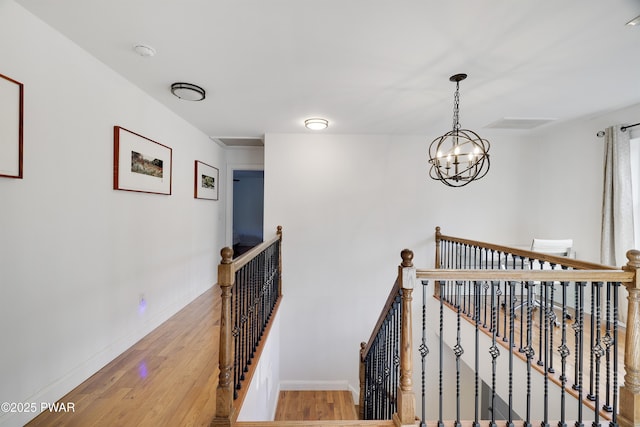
{"points": [[460, 156]]}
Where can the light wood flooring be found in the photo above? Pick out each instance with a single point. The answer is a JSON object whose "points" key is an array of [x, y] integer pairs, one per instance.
{"points": [[168, 378], [316, 405]]}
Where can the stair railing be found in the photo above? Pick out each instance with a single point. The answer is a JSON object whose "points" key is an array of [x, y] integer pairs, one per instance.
{"points": [[488, 285], [251, 289], [386, 389], [475, 287]]}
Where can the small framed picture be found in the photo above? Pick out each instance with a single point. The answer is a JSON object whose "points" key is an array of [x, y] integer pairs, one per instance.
{"points": [[11, 112], [140, 164], [206, 181]]}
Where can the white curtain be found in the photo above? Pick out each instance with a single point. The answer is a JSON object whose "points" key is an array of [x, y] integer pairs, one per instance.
{"points": [[617, 203], [617, 206]]}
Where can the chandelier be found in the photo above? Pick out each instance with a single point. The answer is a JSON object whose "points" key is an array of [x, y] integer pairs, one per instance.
{"points": [[459, 156]]}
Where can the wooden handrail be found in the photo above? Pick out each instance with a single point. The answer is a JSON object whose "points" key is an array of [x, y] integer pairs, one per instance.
{"points": [[553, 259], [528, 275]]}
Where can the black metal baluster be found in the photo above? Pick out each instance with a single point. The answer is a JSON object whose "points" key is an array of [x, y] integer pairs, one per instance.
{"points": [[511, 345], [497, 311], [544, 308], [590, 395], [521, 348], [564, 352], [576, 326], [597, 352], [424, 351], [234, 333], [552, 321], [440, 361], [476, 418], [464, 283], [485, 286], [505, 338], [579, 339], [614, 406], [541, 353], [608, 342], [458, 351], [494, 351], [530, 354]]}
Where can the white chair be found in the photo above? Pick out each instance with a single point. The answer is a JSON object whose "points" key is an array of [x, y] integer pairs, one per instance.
{"points": [[561, 247]]}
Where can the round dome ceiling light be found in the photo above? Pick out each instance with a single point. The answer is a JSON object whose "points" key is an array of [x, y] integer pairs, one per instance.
{"points": [[144, 50], [316, 124], [188, 91]]}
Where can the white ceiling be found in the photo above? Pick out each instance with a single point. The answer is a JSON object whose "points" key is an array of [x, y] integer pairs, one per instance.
{"points": [[368, 66]]}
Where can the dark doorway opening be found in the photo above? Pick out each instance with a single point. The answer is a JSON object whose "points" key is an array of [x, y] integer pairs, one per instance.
{"points": [[248, 209]]}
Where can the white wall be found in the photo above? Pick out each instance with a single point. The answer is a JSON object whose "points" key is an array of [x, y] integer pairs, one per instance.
{"points": [[348, 205], [76, 256]]}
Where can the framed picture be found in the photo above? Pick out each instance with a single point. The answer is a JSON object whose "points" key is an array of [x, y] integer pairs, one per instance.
{"points": [[140, 164], [206, 181], [11, 112]]}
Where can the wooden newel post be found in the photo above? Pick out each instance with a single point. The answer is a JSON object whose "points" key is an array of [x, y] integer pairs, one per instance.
{"points": [[225, 411], [406, 398], [630, 391]]}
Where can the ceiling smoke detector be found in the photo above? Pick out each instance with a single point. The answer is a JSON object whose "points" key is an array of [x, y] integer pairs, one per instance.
{"points": [[144, 50]]}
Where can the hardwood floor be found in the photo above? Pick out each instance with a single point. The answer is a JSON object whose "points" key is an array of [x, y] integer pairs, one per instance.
{"points": [[167, 378], [316, 406]]}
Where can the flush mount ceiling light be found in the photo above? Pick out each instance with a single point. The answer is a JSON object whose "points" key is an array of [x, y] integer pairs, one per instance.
{"points": [[460, 156], [316, 124], [188, 91]]}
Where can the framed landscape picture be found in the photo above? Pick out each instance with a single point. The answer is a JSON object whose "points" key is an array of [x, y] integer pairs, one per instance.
{"points": [[140, 164], [206, 181], [11, 112]]}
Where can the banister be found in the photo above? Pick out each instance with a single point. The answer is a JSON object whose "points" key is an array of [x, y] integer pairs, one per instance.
{"points": [[553, 259], [226, 412], [527, 275], [573, 271], [397, 400]]}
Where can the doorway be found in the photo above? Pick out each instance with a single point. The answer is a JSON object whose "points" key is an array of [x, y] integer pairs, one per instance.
{"points": [[248, 209]]}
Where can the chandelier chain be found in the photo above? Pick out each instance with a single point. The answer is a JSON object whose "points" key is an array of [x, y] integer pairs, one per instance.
{"points": [[456, 108]]}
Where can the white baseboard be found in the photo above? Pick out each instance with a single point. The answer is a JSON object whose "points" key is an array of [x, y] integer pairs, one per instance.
{"points": [[314, 385]]}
